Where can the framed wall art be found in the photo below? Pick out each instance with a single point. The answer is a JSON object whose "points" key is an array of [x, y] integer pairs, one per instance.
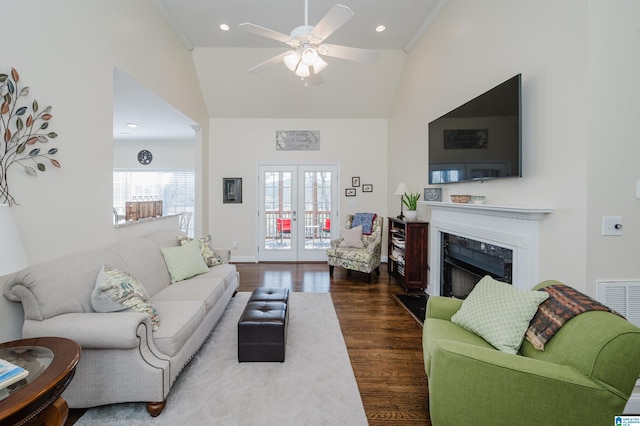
{"points": [[297, 140], [367, 187], [355, 181], [350, 192], [232, 190], [433, 194]]}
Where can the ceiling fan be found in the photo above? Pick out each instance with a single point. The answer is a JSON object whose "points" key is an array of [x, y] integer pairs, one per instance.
{"points": [[307, 45]]}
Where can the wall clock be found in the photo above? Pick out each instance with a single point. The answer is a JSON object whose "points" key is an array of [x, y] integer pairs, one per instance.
{"points": [[145, 157]]}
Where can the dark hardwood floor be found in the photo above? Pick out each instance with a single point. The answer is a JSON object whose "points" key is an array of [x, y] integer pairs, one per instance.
{"points": [[383, 340]]}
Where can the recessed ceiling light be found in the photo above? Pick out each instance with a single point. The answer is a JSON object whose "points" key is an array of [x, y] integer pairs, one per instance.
{"points": [[380, 28], [224, 27], [132, 125]]}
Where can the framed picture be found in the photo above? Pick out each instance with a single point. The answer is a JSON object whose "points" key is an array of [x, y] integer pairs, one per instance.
{"points": [[232, 190], [355, 181], [433, 194], [350, 192], [367, 187]]}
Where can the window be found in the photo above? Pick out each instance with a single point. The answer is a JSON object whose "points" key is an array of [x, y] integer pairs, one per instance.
{"points": [[176, 189]]}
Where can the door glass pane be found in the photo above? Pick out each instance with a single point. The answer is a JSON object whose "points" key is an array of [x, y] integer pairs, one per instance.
{"points": [[277, 210], [317, 209]]}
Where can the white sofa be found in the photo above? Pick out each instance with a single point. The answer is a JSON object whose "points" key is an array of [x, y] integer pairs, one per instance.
{"points": [[123, 360]]}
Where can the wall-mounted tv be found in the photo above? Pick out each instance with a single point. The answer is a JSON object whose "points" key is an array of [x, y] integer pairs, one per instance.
{"points": [[479, 140]]}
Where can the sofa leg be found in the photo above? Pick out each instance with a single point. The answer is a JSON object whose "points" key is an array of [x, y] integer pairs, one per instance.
{"points": [[378, 270], [348, 272], [155, 408], [369, 278], [330, 270]]}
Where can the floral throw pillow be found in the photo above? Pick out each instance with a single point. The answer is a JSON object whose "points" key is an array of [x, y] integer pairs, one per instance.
{"points": [[117, 290], [210, 257]]}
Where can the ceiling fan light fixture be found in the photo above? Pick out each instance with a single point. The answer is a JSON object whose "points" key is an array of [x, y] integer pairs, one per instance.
{"points": [[309, 55], [302, 71], [319, 65], [291, 60]]}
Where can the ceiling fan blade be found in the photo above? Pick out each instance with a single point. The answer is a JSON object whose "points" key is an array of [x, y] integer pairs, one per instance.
{"points": [[334, 19], [266, 32], [350, 53], [269, 62]]}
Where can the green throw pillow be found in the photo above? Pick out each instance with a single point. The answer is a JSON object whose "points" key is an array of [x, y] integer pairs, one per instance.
{"points": [[184, 261], [499, 313], [117, 290], [210, 257]]}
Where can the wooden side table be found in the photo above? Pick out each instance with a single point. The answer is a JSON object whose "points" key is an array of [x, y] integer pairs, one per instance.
{"points": [[51, 362]]}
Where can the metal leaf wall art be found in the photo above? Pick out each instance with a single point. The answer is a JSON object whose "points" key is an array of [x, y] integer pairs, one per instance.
{"points": [[23, 129]]}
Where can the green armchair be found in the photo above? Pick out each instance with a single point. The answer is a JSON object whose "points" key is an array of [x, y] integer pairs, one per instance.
{"points": [[585, 374], [366, 259]]}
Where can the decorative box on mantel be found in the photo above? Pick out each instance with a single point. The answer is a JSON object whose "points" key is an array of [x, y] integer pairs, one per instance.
{"points": [[514, 228]]}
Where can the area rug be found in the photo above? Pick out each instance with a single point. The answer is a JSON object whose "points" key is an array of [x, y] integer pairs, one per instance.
{"points": [[415, 304], [314, 386]]}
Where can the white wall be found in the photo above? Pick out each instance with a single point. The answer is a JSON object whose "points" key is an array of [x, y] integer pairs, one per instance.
{"points": [[239, 145], [167, 155], [474, 46], [614, 143], [66, 51]]}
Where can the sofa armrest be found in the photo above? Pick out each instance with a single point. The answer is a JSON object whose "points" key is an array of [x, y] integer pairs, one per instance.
{"points": [[336, 243], [224, 253], [495, 386], [442, 307], [114, 330]]}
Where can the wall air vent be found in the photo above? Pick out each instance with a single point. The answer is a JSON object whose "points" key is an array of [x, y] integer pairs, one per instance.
{"points": [[621, 296]]}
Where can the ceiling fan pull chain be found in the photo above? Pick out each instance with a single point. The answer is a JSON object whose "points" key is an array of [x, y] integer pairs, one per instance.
{"points": [[306, 12]]}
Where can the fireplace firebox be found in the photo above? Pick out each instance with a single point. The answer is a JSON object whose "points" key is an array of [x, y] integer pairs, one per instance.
{"points": [[465, 261]]}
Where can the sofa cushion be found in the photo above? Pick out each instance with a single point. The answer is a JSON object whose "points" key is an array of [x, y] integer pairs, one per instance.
{"points": [[210, 257], [226, 272], [117, 290], [181, 319], [184, 261], [499, 313], [208, 291], [352, 237]]}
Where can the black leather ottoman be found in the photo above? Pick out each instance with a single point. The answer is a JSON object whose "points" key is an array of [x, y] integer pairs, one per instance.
{"points": [[262, 332], [270, 294]]}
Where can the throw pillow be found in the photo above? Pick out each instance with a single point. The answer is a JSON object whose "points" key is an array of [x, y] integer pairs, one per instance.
{"points": [[184, 261], [210, 257], [352, 237], [499, 313], [117, 290]]}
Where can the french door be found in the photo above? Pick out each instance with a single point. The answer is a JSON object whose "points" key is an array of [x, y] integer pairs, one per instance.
{"points": [[298, 204]]}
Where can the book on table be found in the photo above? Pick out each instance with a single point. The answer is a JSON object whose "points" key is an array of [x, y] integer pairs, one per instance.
{"points": [[10, 373]]}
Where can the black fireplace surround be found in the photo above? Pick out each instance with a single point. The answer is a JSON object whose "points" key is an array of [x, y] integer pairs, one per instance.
{"points": [[466, 261]]}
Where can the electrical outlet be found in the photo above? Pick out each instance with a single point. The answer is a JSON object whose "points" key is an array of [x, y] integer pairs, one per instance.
{"points": [[235, 244], [611, 225]]}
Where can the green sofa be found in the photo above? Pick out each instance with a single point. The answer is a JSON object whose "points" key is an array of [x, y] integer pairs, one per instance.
{"points": [[585, 374]]}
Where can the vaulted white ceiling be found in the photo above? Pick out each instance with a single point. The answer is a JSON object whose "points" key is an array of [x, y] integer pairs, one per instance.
{"points": [[350, 89]]}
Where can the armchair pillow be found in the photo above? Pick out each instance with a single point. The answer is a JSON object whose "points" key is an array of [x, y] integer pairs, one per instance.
{"points": [[352, 237], [117, 290], [499, 313], [184, 261]]}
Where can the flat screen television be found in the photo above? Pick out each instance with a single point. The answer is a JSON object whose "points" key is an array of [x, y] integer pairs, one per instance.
{"points": [[479, 140]]}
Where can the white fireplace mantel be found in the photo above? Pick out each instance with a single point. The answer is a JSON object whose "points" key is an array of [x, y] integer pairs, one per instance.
{"points": [[514, 228]]}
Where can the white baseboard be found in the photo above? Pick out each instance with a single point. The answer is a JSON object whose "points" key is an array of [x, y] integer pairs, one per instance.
{"points": [[243, 259]]}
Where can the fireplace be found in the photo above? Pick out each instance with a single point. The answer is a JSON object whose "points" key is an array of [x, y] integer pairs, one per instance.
{"points": [[465, 261], [494, 229]]}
